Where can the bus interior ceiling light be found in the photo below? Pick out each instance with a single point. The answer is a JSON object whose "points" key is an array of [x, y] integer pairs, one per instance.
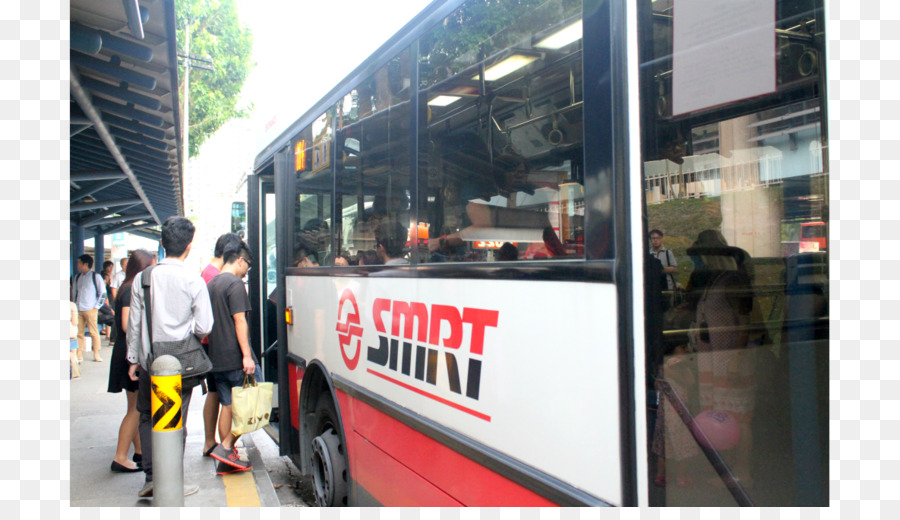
{"points": [[507, 66], [561, 38], [442, 101]]}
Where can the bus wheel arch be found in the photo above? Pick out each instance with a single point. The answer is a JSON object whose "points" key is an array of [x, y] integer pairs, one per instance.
{"points": [[322, 438]]}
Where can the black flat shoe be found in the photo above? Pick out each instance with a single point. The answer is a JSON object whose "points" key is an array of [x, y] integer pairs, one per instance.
{"points": [[118, 468], [137, 458]]}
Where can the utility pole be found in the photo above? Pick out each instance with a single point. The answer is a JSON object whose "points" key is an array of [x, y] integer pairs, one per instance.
{"points": [[187, 93], [189, 63]]}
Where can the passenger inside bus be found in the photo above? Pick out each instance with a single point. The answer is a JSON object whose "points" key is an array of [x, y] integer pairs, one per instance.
{"points": [[305, 258], [488, 200], [390, 240], [367, 257]]}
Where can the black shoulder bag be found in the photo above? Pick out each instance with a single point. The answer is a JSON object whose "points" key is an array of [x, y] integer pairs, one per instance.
{"points": [[189, 351]]}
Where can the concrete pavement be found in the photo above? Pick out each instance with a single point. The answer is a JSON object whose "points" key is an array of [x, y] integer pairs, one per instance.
{"points": [[95, 416]]}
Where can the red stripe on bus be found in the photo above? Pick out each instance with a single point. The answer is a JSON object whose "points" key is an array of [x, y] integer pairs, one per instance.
{"points": [[391, 482], [432, 396], [416, 455], [296, 377]]}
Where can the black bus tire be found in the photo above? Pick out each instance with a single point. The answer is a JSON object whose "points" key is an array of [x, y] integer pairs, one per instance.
{"points": [[329, 457]]}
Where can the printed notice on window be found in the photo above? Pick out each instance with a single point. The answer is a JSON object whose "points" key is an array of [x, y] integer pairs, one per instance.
{"points": [[724, 50]]}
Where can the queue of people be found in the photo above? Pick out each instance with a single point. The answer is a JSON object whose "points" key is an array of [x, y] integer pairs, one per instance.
{"points": [[180, 304]]}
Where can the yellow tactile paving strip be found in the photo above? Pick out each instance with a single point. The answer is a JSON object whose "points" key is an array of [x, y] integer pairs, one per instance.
{"points": [[240, 490]]}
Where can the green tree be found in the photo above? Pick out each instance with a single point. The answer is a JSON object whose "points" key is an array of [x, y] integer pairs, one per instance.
{"points": [[480, 28], [216, 34]]}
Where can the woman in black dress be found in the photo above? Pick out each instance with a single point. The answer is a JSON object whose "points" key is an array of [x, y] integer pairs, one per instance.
{"points": [[108, 304], [118, 369]]}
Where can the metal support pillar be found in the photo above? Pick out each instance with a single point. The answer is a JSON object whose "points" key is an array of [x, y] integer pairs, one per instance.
{"points": [[99, 253], [77, 247]]}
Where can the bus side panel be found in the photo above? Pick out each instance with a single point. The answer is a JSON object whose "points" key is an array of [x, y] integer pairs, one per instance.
{"points": [[387, 478], [527, 368]]}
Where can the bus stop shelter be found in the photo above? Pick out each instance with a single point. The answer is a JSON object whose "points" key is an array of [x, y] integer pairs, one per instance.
{"points": [[126, 152]]}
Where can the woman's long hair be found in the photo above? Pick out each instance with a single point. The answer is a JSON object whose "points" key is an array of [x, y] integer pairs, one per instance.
{"points": [[139, 260]]}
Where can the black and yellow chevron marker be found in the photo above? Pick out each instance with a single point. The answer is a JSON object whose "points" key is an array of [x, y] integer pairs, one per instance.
{"points": [[165, 403]]}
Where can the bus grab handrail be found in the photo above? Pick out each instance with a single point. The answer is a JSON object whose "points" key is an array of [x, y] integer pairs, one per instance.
{"points": [[712, 455]]}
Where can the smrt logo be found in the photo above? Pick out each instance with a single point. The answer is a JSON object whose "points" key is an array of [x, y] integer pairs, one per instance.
{"points": [[416, 343], [349, 328]]}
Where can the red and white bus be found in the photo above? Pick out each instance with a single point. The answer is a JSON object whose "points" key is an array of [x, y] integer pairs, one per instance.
{"points": [[454, 288]]}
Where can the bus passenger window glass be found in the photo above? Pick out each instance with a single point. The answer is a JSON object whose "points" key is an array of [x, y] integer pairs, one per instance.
{"points": [[501, 134], [239, 219], [313, 162], [735, 182], [373, 162], [271, 279]]}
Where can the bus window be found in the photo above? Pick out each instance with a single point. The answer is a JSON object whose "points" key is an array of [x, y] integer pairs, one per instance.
{"points": [[239, 219], [732, 136], [501, 142], [311, 237], [373, 159]]}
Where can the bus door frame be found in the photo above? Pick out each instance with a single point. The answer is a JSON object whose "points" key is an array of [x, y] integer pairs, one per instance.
{"points": [[258, 187]]}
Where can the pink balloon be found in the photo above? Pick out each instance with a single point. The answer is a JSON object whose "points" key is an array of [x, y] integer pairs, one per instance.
{"points": [[720, 427]]}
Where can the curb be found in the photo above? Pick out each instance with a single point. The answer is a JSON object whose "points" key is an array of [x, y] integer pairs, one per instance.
{"points": [[264, 487]]}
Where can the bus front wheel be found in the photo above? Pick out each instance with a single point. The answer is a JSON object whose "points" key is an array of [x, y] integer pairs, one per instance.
{"points": [[329, 460]]}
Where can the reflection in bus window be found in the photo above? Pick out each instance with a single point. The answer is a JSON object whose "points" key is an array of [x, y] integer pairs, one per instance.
{"points": [[373, 159], [502, 136], [313, 163], [239, 218], [739, 188]]}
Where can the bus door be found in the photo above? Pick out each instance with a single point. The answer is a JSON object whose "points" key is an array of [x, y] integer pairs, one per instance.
{"points": [[734, 140], [263, 280]]}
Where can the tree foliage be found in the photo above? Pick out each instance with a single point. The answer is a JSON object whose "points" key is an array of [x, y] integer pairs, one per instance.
{"points": [[216, 34], [480, 28]]}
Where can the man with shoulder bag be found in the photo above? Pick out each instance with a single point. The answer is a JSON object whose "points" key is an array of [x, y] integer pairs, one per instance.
{"points": [[170, 313]]}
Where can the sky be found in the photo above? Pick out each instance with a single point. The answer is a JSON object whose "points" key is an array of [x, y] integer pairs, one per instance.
{"points": [[303, 48]]}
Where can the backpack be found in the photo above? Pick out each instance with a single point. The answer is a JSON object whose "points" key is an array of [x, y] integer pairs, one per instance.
{"points": [[93, 279], [670, 262]]}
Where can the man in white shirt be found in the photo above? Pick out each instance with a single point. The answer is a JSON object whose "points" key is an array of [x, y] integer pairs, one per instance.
{"points": [[665, 257], [90, 292], [669, 267], [117, 280], [180, 306]]}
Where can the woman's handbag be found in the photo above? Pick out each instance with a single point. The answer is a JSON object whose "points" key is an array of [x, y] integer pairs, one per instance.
{"points": [[105, 315], [189, 351], [251, 405]]}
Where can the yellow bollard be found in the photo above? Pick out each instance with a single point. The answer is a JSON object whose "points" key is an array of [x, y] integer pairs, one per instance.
{"points": [[165, 402], [167, 435]]}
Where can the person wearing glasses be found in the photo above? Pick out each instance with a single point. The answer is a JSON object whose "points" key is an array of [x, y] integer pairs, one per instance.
{"points": [[211, 406], [229, 347]]}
